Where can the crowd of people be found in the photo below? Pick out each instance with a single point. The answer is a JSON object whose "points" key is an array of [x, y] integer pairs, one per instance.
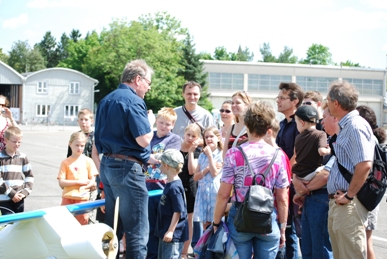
{"points": [[202, 171]]}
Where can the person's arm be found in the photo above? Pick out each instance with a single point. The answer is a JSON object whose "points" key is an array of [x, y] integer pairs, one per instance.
{"points": [[282, 207], [193, 166], [323, 151], [169, 234], [362, 170], [28, 178], [221, 202], [95, 157], [319, 180], [8, 115], [226, 140], [144, 140], [64, 182]]}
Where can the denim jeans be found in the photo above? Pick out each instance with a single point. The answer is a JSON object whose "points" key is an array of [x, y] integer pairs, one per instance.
{"points": [[170, 250], [197, 232], [263, 245], [153, 242], [125, 179], [315, 238]]}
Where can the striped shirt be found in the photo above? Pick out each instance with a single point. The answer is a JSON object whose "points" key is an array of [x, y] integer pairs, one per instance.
{"points": [[15, 175], [354, 144]]}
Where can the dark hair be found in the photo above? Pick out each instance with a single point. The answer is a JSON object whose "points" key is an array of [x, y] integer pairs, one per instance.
{"points": [[369, 115], [295, 91], [345, 94], [227, 102], [191, 84]]}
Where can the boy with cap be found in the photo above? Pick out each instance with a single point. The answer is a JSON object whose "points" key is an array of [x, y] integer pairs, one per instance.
{"points": [[310, 145], [172, 222]]}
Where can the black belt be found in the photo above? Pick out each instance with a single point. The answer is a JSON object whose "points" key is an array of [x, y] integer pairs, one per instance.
{"points": [[331, 196], [319, 191], [123, 157]]}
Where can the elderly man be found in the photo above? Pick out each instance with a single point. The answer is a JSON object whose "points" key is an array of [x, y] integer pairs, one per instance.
{"points": [[123, 132], [354, 149]]}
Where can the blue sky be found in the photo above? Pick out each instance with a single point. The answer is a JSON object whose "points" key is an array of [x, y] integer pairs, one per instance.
{"points": [[354, 30]]}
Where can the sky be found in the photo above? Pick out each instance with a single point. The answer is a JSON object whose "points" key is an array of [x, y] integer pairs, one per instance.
{"points": [[354, 30]]}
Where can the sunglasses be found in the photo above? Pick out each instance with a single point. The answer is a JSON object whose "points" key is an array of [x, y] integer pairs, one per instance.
{"points": [[223, 110], [307, 103]]}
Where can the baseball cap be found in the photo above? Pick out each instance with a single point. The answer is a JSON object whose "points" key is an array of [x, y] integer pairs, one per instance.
{"points": [[172, 157], [307, 113]]}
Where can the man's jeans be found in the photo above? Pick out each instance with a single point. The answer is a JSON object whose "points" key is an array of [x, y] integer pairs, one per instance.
{"points": [[315, 238], [197, 233], [170, 250], [153, 242], [125, 179]]}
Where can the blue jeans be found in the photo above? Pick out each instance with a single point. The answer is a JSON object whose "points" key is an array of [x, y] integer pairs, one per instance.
{"points": [[170, 250], [197, 233], [263, 245], [315, 237], [125, 179], [153, 242]]}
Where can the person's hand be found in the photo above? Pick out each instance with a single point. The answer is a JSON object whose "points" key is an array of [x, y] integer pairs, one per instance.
{"points": [[207, 150], [168, 236], [298, 199], [83, 182], [282, 238], [151, 118], [340, 198], [300, 187], [18, 197], [193, 146], [102, 195]]}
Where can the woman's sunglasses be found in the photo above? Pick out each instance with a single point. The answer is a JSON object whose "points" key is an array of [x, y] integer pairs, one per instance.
{"points": [[223, 110]]}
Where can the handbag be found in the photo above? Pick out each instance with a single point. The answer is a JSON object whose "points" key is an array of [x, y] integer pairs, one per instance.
{"points": [[254, 213]]}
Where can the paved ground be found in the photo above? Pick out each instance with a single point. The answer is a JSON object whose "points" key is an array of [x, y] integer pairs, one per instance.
{"points": [[46, 147]]}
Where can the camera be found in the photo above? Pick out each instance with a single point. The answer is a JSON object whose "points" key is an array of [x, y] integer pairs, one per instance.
{"points": [[2, 110]]}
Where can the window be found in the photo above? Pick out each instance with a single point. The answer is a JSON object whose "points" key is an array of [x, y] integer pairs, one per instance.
{"points": [[310, 83], [74, 88], [42, 88], [266, 82], [42, 110], [71, 111], [367, 86], [226, 81]]}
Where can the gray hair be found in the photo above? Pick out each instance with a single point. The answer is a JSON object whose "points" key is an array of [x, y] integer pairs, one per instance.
{"points": [[135, 68], [345, 94]]}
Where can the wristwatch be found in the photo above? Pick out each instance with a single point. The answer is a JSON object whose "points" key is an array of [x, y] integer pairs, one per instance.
{"points": [[215, 225], [347, 197]]}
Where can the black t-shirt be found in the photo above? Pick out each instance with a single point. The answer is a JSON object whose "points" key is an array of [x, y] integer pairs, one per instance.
{"points": [[188, 182]]}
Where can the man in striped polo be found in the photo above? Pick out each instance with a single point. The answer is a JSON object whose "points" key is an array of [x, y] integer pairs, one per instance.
{"points": [[354, 149]]}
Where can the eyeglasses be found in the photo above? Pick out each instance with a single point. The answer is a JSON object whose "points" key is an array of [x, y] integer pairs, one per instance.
{"points": [[223, 110], [147, 81], [282, 98], [307, 103]]}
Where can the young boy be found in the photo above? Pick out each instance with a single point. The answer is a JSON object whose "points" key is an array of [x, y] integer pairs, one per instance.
{"points": [[310, 145], [172, 219], [163, 139], [16, 177]]}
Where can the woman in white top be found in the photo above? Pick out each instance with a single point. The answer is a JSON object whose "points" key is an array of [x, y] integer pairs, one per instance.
{"points": [[6, 119]]}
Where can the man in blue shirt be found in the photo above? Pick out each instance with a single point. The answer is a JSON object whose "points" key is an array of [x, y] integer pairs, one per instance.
{"points": [[288, 100], [123, 132]]}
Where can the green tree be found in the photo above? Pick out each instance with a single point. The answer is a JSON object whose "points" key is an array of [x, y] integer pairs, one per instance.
{"points": [[286, 56], [49, 49], [221, 53], [242, 55], [318, 54], [75, 35], [24, 59], [266, 53], [62, 47], [349, 63], [193, 70], [3, 56], [205, 56]]}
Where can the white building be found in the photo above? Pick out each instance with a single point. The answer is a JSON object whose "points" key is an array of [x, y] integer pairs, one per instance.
{"points": [[261, 81], [53, 95]]}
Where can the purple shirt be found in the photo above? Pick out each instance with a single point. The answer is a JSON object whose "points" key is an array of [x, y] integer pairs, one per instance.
{"points": [[259, 155]]}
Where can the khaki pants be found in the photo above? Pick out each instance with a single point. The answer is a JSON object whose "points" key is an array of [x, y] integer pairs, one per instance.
{"points": [[346, 227]]}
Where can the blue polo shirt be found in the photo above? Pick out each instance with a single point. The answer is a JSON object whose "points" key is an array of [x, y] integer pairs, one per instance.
{"points": [[286, 136], [121, 117]]}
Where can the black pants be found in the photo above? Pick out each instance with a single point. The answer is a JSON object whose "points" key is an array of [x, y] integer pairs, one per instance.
{"points": [[10, 207]]}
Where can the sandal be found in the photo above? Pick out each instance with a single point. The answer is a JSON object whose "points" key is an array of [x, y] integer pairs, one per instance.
{"points": [[184, 256]]}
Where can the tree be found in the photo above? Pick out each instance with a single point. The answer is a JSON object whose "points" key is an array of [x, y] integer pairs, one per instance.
{"points": [[49, 49], [3, 56], [286, 56], [62, 47], [193, 70], [24, 59], [205, 56], [221, 53], [349, 63], [242, 55], [266, 53], [75, 35], [318, 54]]}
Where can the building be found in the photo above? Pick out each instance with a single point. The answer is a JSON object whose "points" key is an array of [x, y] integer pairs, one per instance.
{"points": [[48, 96], [261, 81]]}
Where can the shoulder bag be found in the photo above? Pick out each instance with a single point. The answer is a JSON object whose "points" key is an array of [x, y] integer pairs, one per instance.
{"points": [[254, 213]]}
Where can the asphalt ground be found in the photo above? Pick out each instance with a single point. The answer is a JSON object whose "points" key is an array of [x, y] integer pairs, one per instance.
{"points": [[46, 147]]}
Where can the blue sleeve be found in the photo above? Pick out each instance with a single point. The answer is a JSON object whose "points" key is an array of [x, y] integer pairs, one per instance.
{"points": [[138, 118], [174, 142]]}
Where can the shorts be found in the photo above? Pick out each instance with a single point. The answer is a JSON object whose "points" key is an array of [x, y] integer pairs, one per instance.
{"points": [[372, 219]]}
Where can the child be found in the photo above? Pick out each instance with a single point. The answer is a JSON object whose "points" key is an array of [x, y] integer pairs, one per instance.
{"points": [[77, 175], [192, 136], [310, 145], [16, 177], [172, 223], [163, 139], [207, 172], [85, 121]]}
